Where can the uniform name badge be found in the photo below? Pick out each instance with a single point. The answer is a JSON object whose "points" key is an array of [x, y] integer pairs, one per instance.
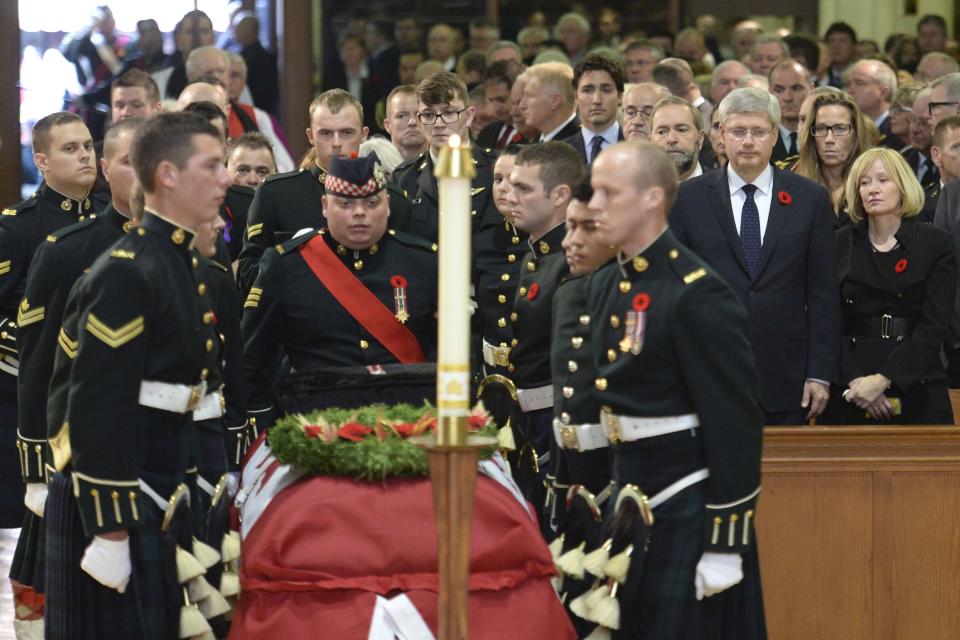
{"points": [[635, 325], [399, 284]]}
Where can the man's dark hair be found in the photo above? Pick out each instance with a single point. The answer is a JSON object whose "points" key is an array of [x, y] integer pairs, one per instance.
{"points": [[804, 47], [559, 163], [167, 137], [662, 33], [599, 62], [193, 14], [934, 20], [138, 78], [251, 140], [583, 191], [118, 128], [208, 111], [503, 72], [442, 88], [841, 27], [41, 130]]}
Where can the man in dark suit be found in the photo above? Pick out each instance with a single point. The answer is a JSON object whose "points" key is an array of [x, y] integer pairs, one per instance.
{"points": [[498, 80], [790, 82], [548, 103], [946, 203], [598, 82], [769, 234], [917, 153], [872, 84]]}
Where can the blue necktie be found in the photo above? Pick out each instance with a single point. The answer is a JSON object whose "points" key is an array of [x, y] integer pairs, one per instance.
{"points": [[595, 147], [750, 229]]}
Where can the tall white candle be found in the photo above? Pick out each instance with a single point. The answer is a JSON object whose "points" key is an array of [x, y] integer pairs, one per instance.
{"points": [[454, 172]]}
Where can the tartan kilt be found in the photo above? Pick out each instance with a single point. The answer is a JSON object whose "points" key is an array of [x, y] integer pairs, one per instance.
{"points": [[78, 607], [211, 462], [12, 510], [27, 565], [658, 602]]}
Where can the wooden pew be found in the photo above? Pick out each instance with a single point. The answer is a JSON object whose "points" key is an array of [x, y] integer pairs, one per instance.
{"points": [[859, 533]]}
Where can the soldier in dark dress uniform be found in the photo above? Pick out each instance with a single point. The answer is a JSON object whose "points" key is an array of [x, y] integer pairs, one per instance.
{"points": [[583, 463], [109, 571], [443, 112], [541, 183], [58, 262], [63, 152], [351, 294], [678, 390], [288, 202]]}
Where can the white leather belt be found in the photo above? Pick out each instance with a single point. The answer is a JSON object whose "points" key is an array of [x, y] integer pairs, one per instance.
{"points": [[580, 437], [629, 429], [496, 356], [678, 486], [533, 399], [211, 406], [176, 398]]}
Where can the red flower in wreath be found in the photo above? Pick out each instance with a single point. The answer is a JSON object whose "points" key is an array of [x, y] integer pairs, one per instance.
{"points": [[533, 291], [398, 282], [901, 265], [354, 431], [641, 302], [784, 197]]}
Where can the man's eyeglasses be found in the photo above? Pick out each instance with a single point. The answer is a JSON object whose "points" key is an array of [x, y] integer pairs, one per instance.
{"points": [[821, 130], [944, 105], [756, 134], [633, 112], [448, 117]]}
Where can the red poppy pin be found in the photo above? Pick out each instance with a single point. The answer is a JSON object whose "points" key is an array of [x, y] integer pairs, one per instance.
{"points": [[784, 197], [641, 302], [533, 291], [901, 265]]}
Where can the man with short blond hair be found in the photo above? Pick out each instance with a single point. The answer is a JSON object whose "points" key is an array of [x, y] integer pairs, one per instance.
{"points": [[401, 122], [872, 84], [548, 103]]}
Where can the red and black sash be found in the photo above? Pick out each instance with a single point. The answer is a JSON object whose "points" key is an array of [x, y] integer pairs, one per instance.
{"points": [[360, 302]]}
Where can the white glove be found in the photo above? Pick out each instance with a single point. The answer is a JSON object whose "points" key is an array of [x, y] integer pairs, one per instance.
{"points": [[108, 562], [36, 497], [717, 572]]}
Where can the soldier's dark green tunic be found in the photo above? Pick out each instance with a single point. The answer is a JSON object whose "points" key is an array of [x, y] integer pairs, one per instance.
{"points": [[692, 357], [290, 307], [23, 228], [284, 204], [139, 318], [58, 262]]}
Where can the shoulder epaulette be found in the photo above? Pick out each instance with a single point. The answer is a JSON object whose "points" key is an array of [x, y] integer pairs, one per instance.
{"points": [[286, 175], [62, 233], [287, 247], [216, 265], [412, 240], [21, 207], [397, 191], [685, 267], [407, 164]]}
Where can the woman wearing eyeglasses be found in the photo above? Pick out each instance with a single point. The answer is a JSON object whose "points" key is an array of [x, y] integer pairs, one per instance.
{"points": [[840, 134], [898, 278]]}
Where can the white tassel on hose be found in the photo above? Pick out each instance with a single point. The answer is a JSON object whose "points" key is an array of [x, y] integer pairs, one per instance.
{"points": [[192, 623], [229, 584], [593, 562], [607, 611], [505, 439], [188, 567], [213, 605], [571, 563], [198, 589], [579, 608], [596, 596], [556, 547], [230, 547], [619, 565], [205, 554]]}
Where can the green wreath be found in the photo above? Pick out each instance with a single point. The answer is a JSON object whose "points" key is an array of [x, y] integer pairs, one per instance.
{"points": [[369, 443]]}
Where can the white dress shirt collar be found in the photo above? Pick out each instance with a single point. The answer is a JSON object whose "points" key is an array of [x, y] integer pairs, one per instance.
{"points": [[553, 134]]}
